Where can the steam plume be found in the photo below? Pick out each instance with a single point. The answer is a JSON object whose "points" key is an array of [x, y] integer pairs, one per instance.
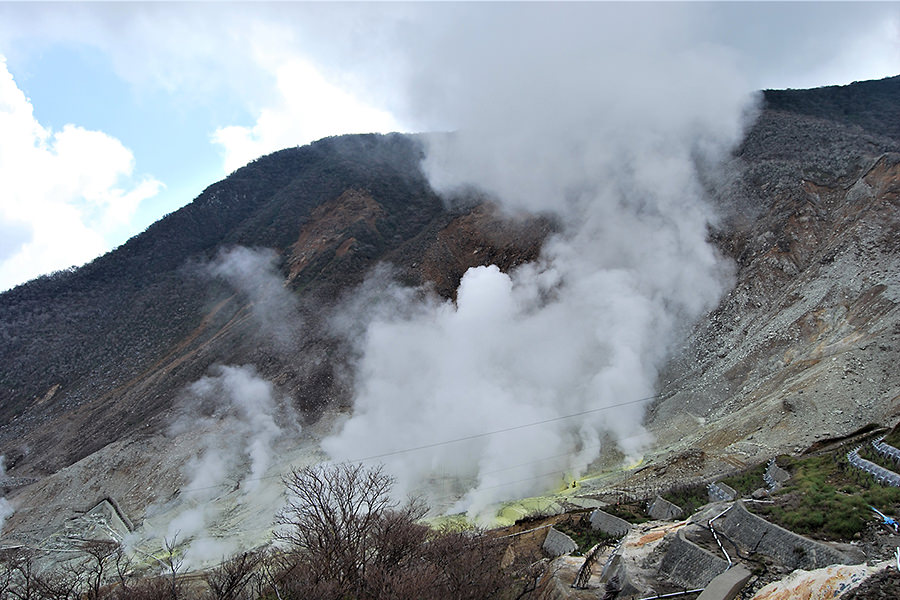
{"points": [[6, 507], [253, 273], [603, 123], [239, 419]]}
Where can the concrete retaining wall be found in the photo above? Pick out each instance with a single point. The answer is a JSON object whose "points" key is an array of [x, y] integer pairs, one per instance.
{"points": [[614, 567], [775, 476], [663, 510], [557, 543], [886, 450], [687, 564], [609, 524], [727, 585], [106, 514], [11, 482], [719, 492], [754, 534]]}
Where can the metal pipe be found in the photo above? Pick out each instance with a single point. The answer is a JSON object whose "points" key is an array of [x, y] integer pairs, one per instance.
{"points": [[716, 536], [673, 594], [503, 537]]}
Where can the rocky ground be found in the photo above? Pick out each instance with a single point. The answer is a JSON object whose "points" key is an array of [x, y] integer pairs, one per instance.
{"points": [[802, 350], [884, 585]]}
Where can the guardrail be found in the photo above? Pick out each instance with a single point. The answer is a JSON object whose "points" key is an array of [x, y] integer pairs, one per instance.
{"points": [[881, 475], [716, 535]]}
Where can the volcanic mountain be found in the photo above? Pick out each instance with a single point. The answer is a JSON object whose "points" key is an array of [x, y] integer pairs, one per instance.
{"points": [[803, 347], [97, 354]]}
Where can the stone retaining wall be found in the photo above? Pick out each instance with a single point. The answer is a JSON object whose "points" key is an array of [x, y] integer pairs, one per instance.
{"points": [[754, 534], [663, 510], [557, 543], [609, 524], [687, 564]]}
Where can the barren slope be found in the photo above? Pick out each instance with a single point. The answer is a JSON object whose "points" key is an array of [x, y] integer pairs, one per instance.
{"points": [[805, 346]]}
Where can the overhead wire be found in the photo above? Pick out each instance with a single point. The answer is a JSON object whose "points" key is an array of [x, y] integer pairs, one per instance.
{"points": [[504, 430], [445, 443], [453, 441]]}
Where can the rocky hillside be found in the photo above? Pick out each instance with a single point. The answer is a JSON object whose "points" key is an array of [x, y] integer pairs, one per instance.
{"points": [[98, 354], [803, 347]]}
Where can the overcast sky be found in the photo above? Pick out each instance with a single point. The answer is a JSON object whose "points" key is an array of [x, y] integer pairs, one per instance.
{"points": [[114, 114]]}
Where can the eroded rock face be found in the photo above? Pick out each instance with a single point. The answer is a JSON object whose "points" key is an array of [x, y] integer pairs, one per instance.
{"points": [[804, 344], [828, 582], [102, 353]]}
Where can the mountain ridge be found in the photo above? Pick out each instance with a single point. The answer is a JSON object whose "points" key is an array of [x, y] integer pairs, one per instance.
{"points": [[137, 302], [108, 346]]}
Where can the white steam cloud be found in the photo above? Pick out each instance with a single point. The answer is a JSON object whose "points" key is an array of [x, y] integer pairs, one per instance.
{"points": [[253, 273], [6, 507], [231, 425], [239, 419], [603, 123], [6, 511]]}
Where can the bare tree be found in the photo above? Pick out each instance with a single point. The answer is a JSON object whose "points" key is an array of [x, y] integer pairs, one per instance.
{"points": [[269, 575], [63, 583], [21, 562], [229, 580], [332, 520], [350, 539], [148, 588], [100, 553], [124, 575], [173, 563], [6, 573], [468, 563]]}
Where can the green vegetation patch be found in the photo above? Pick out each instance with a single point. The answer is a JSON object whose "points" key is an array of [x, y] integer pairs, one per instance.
{"points": [[893, 438], [633, 512], [691, 497], [579, 529], [688, 497], [747, 481], [827, 498]]}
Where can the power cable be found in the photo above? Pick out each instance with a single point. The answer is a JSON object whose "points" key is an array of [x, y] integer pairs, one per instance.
{"points": [[504, 430], [447, 442]]}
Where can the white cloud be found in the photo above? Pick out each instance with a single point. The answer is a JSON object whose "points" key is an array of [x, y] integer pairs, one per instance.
{"points": [[63, 194], [308, 107], [873, 54], [290, 66]]}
